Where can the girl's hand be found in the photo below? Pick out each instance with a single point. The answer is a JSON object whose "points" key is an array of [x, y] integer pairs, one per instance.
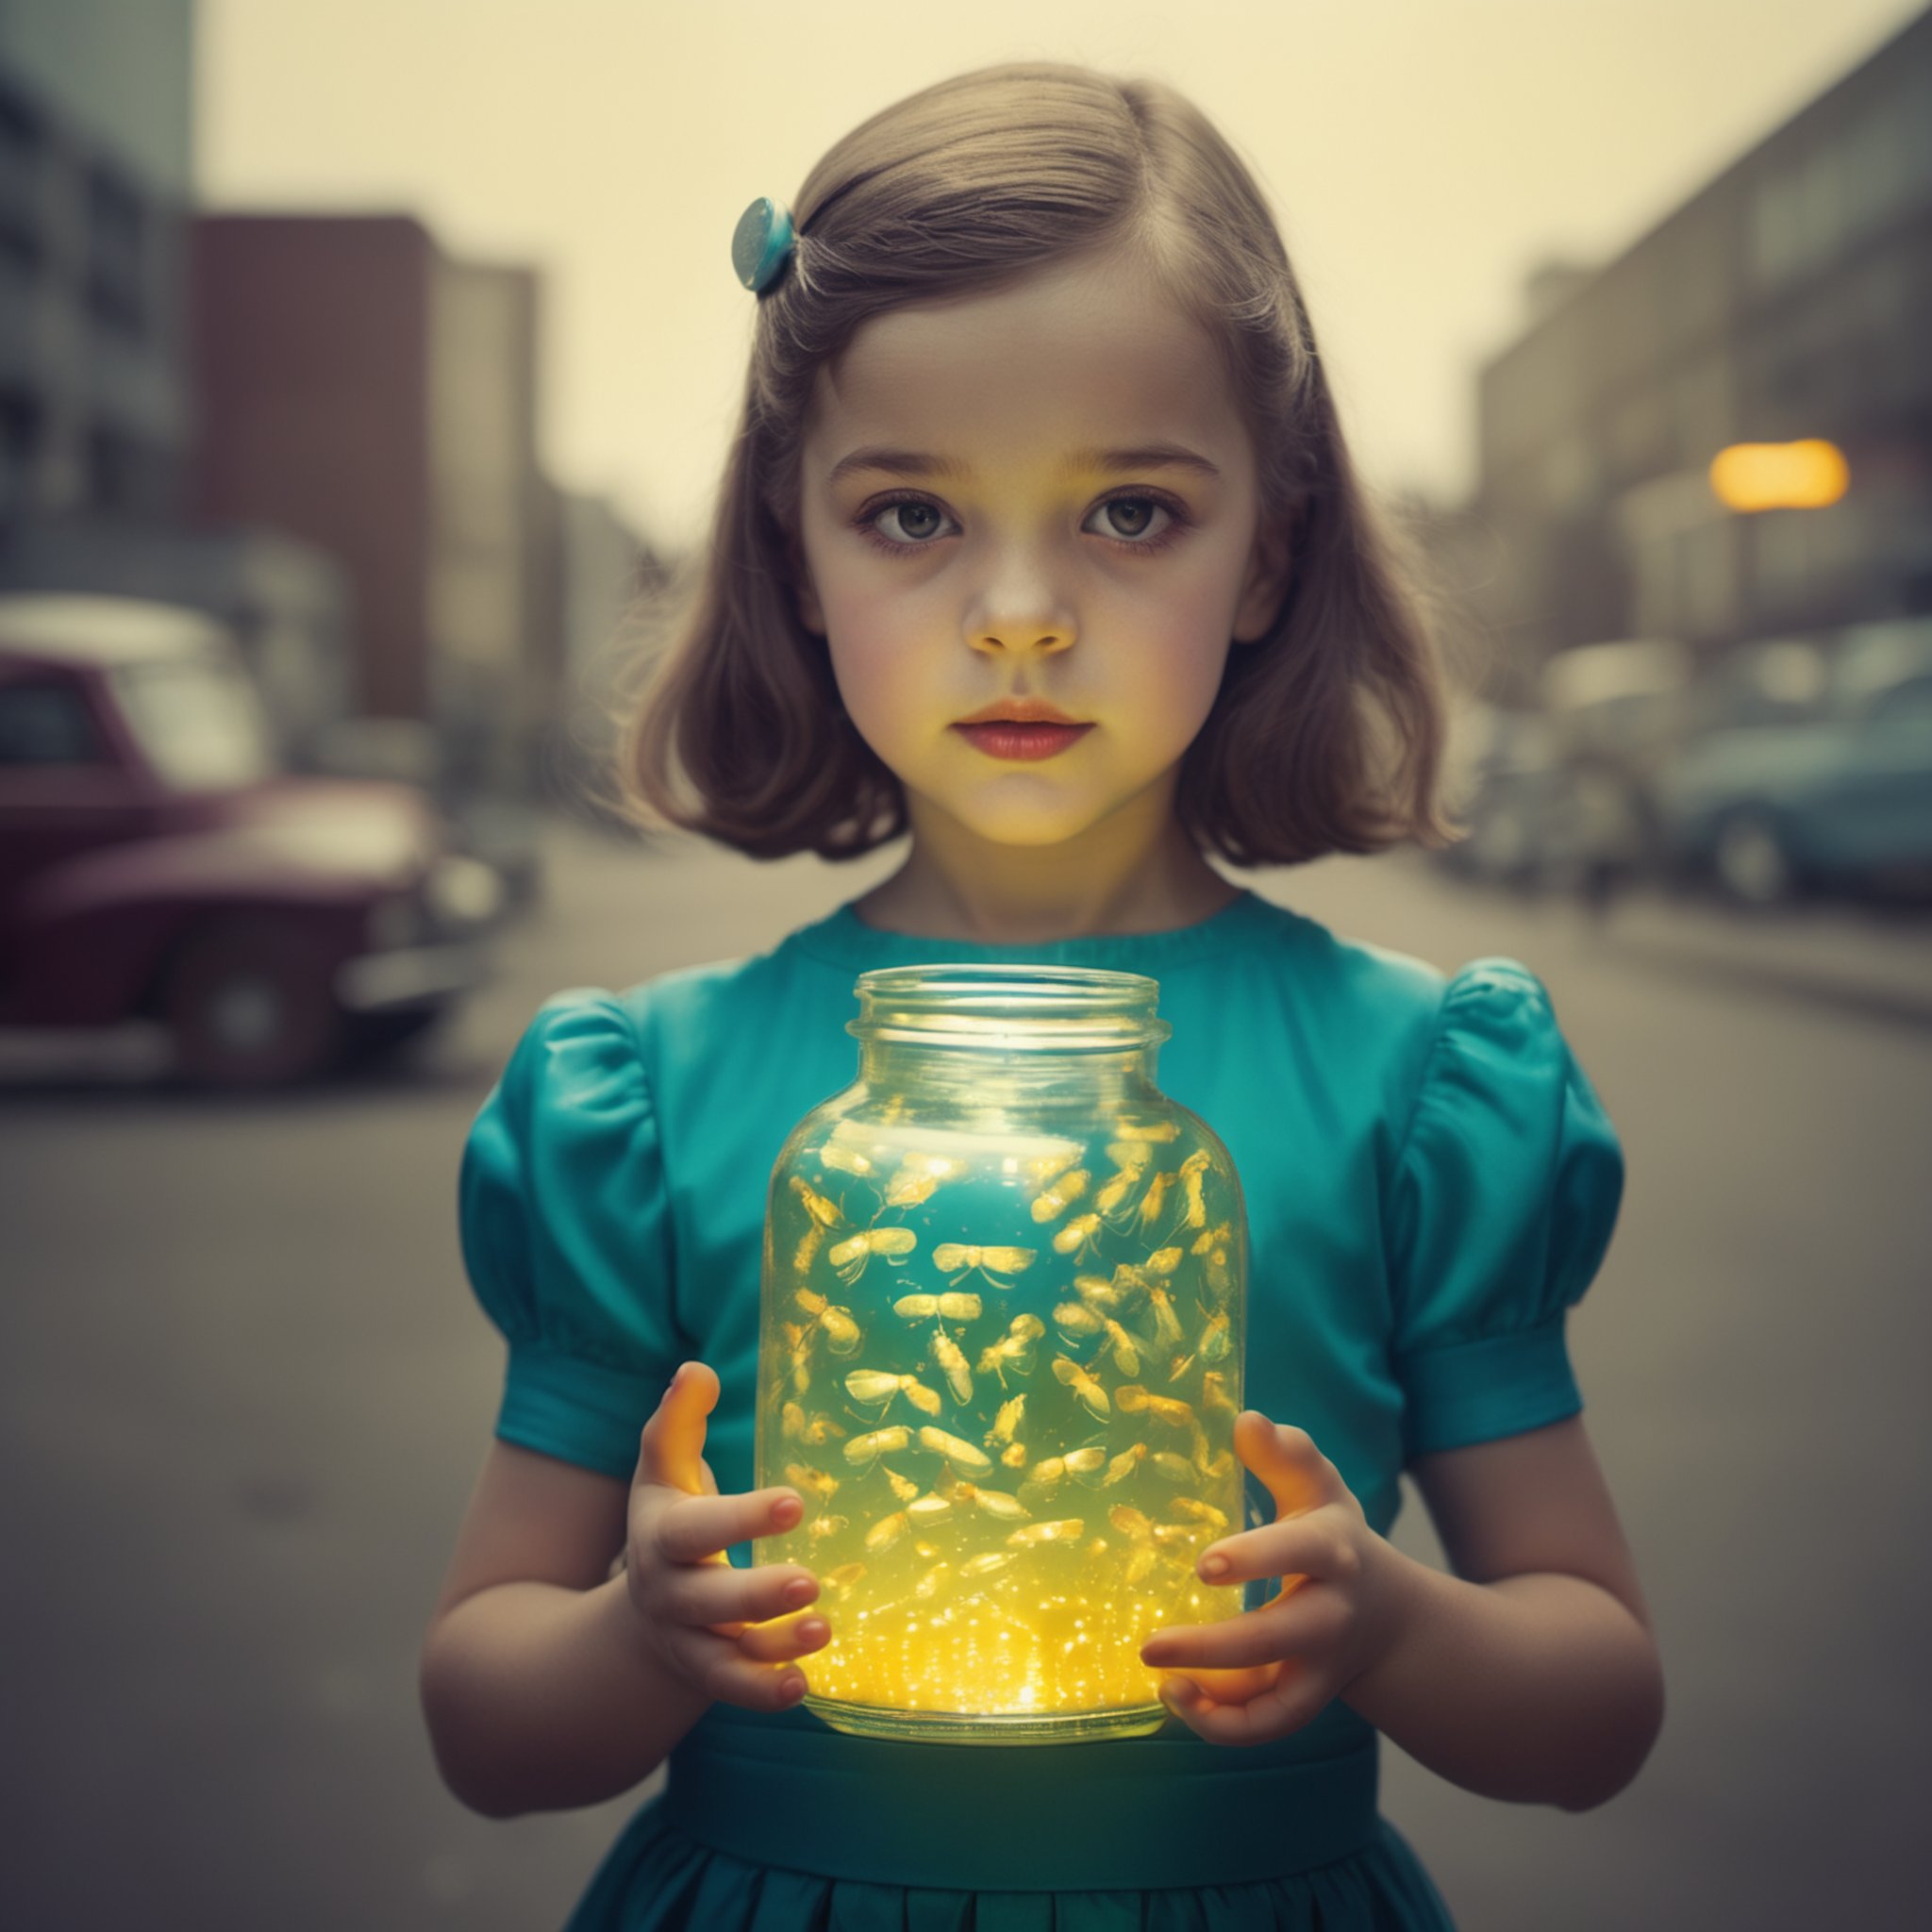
{"points": [[711, 1623], [1268, 1672]]}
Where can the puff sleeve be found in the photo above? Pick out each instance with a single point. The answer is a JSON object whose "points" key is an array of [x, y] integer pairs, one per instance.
{"points": [[1503, 1199], [566, 1235]]}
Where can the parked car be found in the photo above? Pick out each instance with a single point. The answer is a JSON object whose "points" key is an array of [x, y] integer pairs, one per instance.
{"points": [[154, 864], [1562, 797], [1617, 713], [1502, 773], [1835, 798]]}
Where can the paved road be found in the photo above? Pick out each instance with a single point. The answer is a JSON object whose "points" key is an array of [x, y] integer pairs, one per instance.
{"points": [[243, 1393]]}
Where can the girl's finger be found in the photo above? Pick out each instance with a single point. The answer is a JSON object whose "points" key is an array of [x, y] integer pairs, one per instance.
{"points": [[671, 1449], [1316, 1545], [785, 1638], [713, 1593], [721, 1669], [1298, 1476], [1296, 1698], [1308, 1621], [698, 1529]]}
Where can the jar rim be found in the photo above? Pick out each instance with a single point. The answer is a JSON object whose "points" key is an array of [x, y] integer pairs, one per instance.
{"points": [[1008, 1008]]}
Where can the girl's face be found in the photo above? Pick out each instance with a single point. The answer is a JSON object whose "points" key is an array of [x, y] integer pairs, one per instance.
{"points": [[1045, 494]]}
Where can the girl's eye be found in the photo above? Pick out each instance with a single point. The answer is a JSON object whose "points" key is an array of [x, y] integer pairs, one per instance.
{"points": [[1128, 519], [916, 522]]}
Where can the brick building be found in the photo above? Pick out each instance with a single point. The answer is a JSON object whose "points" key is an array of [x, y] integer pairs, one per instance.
{"points": [[363, 392]]}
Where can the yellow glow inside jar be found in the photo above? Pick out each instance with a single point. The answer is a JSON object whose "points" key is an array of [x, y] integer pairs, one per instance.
{"points": [[1001, 1359]]}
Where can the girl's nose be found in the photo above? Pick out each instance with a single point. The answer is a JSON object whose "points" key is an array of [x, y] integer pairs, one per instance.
{"points": [[1035, 623], [1021, 608], [1022, 639]]}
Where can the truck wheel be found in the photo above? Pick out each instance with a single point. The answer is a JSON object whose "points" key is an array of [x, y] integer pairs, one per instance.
{"points": [[250, 1005]]}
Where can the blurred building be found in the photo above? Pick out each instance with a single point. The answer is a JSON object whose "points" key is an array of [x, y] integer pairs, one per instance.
{"points": [[607, 566], [96, 404], [607, 574], [95, 182], [1790, 298], [364, 392]]}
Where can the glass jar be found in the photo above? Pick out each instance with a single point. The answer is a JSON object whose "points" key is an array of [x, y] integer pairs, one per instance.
{"points": [[1004, 1295]]}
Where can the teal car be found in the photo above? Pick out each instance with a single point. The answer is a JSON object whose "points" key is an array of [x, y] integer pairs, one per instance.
{"points": [[1836, 799]]}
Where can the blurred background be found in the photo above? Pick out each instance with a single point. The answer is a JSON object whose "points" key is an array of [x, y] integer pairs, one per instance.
{"points": [[365, 373]]}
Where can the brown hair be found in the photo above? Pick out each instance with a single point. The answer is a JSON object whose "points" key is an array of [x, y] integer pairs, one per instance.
{"points": [[1326, 733]]}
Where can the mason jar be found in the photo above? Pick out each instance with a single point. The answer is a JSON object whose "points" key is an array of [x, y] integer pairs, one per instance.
{"points": [[1000, 1358]]}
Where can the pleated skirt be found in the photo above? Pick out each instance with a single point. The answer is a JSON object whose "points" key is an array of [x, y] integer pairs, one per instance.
{"points": [[656, 1879]]}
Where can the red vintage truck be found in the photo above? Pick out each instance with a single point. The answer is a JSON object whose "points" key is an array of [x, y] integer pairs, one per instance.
{"points": [[156, 865]]}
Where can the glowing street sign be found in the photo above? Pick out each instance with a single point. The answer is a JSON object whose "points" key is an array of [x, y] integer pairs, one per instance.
{"points": [[1779, 475]]}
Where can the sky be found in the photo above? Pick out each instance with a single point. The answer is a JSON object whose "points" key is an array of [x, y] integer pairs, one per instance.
{"points": [[1420, 155]]}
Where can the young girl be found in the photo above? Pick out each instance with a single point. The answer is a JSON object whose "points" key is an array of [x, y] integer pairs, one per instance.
{"points": [[1039, 542]]}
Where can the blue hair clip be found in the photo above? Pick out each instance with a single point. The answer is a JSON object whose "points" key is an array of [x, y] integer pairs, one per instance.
{"points": [[761, 244]]}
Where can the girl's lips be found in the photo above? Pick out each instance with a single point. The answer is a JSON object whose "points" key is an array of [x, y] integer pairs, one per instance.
{"points": [[1007, 740]]}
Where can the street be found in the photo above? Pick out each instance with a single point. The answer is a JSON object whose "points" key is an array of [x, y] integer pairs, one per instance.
{"points": [[244, 1390]]}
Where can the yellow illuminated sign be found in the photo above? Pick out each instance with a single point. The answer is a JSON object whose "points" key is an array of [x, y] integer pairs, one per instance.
{"points": [[1779, 475]]}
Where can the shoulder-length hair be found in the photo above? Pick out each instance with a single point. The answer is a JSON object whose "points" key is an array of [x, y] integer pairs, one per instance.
{"points": [[1326, 733]]}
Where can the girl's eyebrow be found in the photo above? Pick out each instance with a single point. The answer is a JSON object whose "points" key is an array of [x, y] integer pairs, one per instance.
{"points": [[904, 462]]}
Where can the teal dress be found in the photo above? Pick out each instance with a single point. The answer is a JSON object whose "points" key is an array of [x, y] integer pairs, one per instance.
{"points": [[1430, 1184]]}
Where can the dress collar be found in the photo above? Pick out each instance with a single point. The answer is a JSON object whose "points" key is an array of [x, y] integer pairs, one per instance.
{"points": [[843, 939]]}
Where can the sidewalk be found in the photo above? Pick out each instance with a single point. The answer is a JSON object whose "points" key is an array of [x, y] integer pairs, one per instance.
{"points": [[1877, 961], [1858, 959]]}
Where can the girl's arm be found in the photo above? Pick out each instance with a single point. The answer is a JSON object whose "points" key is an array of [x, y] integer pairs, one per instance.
{"points": [[537, 1690], [1531, 1674]]}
